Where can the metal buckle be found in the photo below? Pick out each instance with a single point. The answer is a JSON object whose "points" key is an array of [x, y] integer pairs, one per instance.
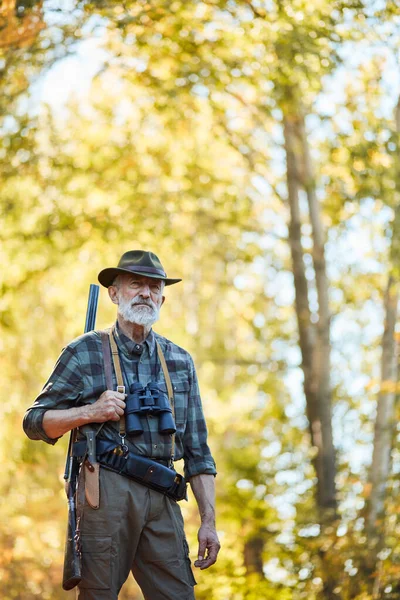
{"points": [[122, 449]]}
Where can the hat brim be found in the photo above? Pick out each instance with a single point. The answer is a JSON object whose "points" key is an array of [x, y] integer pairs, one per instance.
{"points": [[107, 276]]}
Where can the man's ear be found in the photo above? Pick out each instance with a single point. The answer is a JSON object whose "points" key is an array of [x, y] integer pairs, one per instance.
{"points": [[162, 300], [113, 293]]}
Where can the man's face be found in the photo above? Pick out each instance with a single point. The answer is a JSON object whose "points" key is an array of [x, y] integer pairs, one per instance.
{"points": [[139, 298]]}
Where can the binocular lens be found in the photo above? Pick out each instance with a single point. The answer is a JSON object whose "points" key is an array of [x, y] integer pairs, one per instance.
{"points": [[166, 423], [143, 401]]}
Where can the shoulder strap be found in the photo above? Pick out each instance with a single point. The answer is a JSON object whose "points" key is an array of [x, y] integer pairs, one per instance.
{"points": [[166, 375], [120, 379], [91, 430], [121, 387], [170, 392], [105, 346]]}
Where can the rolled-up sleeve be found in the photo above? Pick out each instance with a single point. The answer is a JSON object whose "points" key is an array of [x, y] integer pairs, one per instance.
{"points": [[62, 390], [197, 456]]}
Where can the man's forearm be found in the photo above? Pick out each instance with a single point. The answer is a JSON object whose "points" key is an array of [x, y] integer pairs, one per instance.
{"points": [[109, 407], [58, 422], [203, 487]]}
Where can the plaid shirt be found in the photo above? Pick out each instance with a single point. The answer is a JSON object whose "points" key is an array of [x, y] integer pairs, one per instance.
{"points": [[78, 378]]}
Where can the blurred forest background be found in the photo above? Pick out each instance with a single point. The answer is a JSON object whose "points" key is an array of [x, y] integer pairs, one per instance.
{"points": [[254, 146]]}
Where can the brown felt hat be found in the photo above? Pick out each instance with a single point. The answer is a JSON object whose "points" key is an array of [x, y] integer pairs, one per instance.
{"points": [[139, 262]]}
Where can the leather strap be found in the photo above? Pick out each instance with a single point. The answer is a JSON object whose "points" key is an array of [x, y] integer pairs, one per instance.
{"points": [[118, 374], [166, 375], [92, 484], [115, 357], [107, 359], [170, 392]]}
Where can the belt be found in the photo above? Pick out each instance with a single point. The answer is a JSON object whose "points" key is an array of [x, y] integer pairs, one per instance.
{"points": [[103, 446], [151, 473]]}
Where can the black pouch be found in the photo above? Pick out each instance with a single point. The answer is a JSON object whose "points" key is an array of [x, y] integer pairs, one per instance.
{"points": [[147, 472]]}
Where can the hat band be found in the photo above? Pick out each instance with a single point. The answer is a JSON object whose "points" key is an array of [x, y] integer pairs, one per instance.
{"points": [[145, 270]]}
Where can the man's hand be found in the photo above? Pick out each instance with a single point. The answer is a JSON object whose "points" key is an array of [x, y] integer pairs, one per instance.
{"points": [[109, 407], [204, 492], [208, 542]]}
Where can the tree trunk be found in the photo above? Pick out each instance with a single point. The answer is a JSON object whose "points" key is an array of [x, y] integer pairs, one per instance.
{"points": [[322, 353], [385, 414], [384, 428], [314, 339], [253, 555]]}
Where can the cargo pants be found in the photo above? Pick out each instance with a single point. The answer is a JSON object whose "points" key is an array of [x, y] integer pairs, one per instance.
{"points": [[135, 529]]}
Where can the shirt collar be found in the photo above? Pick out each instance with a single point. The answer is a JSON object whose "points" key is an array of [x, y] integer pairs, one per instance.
{"points": [[127, 345]]}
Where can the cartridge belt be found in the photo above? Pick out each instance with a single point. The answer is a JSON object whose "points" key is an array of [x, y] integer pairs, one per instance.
{"points": [[154, 474]]}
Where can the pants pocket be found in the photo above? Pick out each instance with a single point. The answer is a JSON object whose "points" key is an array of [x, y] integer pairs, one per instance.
{"points": [[188, 563], [96, 562]]}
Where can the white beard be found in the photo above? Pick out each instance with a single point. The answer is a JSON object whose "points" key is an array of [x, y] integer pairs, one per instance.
{"points": [[140, 315]]}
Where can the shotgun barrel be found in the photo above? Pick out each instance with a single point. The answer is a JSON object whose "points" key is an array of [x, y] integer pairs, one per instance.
{"points": [[90, 324], [91, 311]]}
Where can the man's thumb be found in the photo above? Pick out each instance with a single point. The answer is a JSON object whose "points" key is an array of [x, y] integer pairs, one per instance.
{"points": [[202, 549]]}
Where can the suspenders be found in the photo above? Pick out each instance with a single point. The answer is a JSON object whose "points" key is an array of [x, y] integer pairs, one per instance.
{"points": [[112, 456], [108, 336]]}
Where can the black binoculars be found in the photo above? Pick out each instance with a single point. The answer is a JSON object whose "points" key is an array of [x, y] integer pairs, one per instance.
{"points": [[148, 400]]}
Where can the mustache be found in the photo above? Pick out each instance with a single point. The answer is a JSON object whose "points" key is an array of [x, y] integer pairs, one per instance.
{"points": [[145, 302]]}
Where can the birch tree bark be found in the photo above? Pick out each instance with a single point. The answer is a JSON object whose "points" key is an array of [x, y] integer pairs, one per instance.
{"points": [[385, 414], [384, 426], [314, 338], [322, 352]]}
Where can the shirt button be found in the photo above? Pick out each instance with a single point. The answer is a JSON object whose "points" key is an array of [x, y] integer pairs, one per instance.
{"points": [[155, 446]]}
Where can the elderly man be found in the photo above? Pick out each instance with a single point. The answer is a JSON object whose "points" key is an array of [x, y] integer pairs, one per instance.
{"points": [[138, 524]]}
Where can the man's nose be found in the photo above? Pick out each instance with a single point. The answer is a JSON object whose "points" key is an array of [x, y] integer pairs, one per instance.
{"points": [[145, 291]]}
